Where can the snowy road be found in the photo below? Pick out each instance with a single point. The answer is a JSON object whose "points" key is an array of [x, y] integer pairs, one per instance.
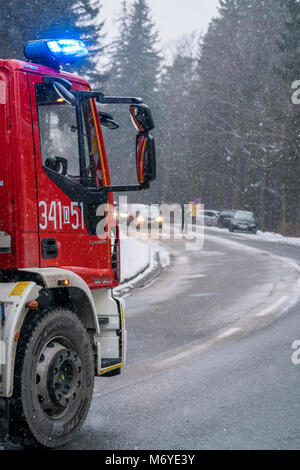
{"points": [[209, 354]]}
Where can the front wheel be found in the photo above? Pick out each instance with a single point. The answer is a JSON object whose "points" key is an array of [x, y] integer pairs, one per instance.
{"points": [[54, 379]]}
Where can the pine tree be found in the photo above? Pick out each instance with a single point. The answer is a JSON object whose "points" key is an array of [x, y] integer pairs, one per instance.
{"points": [[239, 96], [135, 71], [143, 61], [288, 68], [118, 52], [134, 54], [176, 126]]}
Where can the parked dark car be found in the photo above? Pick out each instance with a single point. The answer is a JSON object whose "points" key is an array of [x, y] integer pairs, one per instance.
{"points": [[225, 218], [243, 221]]}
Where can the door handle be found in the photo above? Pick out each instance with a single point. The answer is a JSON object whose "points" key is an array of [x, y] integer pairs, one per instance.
{"points": [[49, 248]]}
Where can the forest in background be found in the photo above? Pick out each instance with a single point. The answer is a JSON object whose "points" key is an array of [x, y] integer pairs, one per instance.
{"points": [[227, 131]]}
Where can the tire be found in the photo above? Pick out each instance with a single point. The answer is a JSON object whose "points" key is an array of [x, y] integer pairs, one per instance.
{"points": [[54, 379], [230, 229]]}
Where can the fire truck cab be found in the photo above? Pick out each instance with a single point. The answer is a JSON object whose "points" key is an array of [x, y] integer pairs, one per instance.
{"points": [[60, 324]]}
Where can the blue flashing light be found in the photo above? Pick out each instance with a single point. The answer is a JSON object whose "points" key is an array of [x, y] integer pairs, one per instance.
{"points": [[55, 52], [68, 47]]}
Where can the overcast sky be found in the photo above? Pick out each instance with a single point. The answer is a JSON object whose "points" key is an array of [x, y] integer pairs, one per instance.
{"points": [[173, 18]]}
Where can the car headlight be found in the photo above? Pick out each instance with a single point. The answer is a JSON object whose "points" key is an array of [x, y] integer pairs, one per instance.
{"points": [[159, 219], [140, 219]]}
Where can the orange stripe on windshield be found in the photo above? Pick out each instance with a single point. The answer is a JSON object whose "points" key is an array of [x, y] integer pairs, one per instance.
{"points": [[99, 145]]}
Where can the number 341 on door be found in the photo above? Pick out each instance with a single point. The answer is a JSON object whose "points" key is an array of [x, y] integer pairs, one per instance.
{"points": [[55, 215]]}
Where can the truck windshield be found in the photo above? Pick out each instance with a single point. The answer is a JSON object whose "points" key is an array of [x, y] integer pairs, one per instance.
{"points": [[58, 129]]}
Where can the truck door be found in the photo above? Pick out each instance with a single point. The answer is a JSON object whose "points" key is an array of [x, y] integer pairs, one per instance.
{"points": [[72, 235]]}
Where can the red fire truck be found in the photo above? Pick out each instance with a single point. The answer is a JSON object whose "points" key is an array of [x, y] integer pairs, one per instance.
{"points": [[60, 324]]}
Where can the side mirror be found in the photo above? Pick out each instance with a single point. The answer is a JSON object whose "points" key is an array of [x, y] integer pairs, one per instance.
{"points": [[106, 120], [145, 158], [141, 117]]}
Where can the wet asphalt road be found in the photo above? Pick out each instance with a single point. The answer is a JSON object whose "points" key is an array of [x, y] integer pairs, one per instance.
{"points": [[209, 354]]}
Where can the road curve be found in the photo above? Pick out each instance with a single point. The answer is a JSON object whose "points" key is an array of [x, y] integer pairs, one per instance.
{"points": [[209, 355]]}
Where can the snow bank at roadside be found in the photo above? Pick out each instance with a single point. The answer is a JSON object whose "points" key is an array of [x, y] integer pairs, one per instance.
{"points": [[141, 262], [276, 237], [135, 257], [265, 236]]}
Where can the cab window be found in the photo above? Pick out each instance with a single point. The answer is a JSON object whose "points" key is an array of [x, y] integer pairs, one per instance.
{"points": [[59, 142], [58, 133], [92, 157]]}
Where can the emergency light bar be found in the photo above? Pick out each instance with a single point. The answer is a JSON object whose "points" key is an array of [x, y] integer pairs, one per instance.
{"points": [[55, 52]]}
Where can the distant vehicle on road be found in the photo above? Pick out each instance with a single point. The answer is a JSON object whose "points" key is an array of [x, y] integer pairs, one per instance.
{"points": [[145, 215], [210, 217], [225, 218], [124, 215], [243, 221]]}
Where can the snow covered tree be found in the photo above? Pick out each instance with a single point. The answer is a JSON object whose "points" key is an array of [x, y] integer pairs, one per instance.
{"points": [[240, 100], [288, 68], [119, 52], [135, 58], [180, 181]]}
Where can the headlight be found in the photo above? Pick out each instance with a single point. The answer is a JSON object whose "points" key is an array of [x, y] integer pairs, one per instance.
{"points": [[123, 215], [140, 219], [159, 219]]}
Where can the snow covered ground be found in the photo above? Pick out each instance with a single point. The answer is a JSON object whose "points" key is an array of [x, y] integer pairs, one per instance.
{"points": [[141, 260], [265, 236], [135, 257]]}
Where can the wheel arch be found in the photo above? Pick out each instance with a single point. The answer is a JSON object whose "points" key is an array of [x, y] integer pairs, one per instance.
{"points": [[76, 296], [72, 298]]}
